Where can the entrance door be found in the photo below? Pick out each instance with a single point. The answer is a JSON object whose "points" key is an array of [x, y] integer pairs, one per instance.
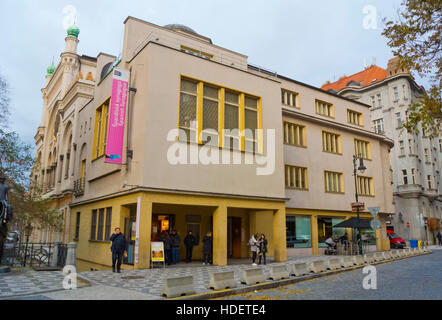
{"points": [[129, 232], [236, 238]]}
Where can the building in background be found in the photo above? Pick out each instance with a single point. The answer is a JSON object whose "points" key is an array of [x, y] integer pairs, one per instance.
{"points": [[416, 159], [68, 88]]}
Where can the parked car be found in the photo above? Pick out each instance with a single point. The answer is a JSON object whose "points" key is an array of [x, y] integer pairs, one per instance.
{"points": [[396, 242]]}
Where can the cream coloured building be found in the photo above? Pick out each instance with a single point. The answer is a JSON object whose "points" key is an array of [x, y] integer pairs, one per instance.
{"points": [[181, 80]]}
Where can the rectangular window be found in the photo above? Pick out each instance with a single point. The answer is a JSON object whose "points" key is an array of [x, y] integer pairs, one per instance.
{"points": [[100, 130], [430, 183], [413, 176], [299, 234], [324, 108], [331, 142], [379, 100], [210, 115], [77, 226], [365, 186], [294, 134], [427, 155], [94, 225], [362, 149], [354, 117], [231, 120], [100, 224], [396, 94], [410, 146], [378, 126], [108, 223], [398, 119], [296, 177], [208, 111], [373, 101], [289, 98], [440, 145], [188, 109], [404, 176], [334, 182], [404, 91], [251, 123], [196, 52], [401, 148]]}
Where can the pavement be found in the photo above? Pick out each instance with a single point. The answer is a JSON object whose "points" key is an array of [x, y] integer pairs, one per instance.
{"points": [[128, 285], [414, 278]]}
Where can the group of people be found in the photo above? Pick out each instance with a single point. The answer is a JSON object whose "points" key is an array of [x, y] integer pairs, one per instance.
{"points": [[258, 246], [172, 243]]}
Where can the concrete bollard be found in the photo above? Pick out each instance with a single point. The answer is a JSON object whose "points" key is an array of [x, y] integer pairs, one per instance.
{"points": [[378, 256], [369, 257], [222, 280], [333, 263], [421, 250], [347, 262], [176, 287], [395, 254], [317, 266], [54, 261], [299, 269], [252, 276], [279, 272], [406, 252], [426, 249], [358, 260], [71, 255], [387, 255]]}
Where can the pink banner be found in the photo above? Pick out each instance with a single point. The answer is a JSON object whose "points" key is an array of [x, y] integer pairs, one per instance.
{"points": [[117, 116]]}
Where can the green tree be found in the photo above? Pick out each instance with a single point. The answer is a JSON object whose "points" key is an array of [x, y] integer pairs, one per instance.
{"points": [[416, 38]]}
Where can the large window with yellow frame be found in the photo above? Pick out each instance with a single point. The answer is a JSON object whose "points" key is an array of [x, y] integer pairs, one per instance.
{"points": [[217, 116], [296, 177], [100, 130], [334, 182], [331, 142], [362, 149], [365, 186]]}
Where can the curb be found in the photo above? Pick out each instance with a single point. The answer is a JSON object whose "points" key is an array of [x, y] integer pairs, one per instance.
{"points": [[275, 284]]}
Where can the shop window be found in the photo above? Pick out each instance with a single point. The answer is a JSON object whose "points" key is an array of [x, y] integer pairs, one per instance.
{"points": [[298, 232], [108, 223], [368, 236], [100, 224], [326, 229]]}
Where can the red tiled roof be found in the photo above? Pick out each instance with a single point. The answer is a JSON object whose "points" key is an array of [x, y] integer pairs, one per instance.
{"points": [[368, 76]]}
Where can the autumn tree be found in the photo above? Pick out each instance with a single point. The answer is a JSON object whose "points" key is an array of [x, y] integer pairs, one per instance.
{"points": [[416, 38]]}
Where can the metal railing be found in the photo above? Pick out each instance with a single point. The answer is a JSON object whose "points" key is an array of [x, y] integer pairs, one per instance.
{"points": [[352, 248], [34, 254], [79, 186]]}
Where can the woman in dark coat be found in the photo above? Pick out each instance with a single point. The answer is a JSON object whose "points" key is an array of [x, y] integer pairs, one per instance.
{"points": [[262, 248], [207, 248]]}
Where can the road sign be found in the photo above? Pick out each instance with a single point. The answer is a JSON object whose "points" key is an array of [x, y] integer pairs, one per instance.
{"points": [[356, 205], [375, 224], [408, 224], [374, 211]]}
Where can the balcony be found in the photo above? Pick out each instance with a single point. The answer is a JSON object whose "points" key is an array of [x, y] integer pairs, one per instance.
{"points": [[79, 187], [409, 190], [431, 193]]}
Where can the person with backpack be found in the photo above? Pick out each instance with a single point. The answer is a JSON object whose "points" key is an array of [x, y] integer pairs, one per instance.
{"points": [[207, 248], [167, 247], [253, 247], [262, 248]]}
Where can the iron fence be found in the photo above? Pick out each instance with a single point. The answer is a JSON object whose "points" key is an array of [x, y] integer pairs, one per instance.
{"points": [[34, 254], [352, 249]]}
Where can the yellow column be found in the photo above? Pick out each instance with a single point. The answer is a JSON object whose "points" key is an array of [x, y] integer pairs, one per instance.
{"points": [[145, 234], [279, 235], [220, 236], [315, 244]]}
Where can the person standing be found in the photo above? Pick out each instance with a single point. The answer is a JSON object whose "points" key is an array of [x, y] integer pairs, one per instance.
{"points": [[262, 246], [189, 242], [253, 247], [439, 238], [207, 248], [118, 248], [167, 247], [175, 245]]}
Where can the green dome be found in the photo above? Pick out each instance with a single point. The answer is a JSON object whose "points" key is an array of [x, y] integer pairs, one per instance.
{"points": [[51, 69], [73, 31]]}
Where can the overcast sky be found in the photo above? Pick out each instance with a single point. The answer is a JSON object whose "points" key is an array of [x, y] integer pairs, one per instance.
{"points": [[311, 41]]}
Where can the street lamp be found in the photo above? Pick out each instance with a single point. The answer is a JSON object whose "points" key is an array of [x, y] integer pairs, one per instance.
{"points": [[361, 168]]}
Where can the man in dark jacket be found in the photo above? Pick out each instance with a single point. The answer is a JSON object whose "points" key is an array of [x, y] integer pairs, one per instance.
{"points": [[119, 246], [175, 245], [167, 247], [207, 248], [189, 242]]}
